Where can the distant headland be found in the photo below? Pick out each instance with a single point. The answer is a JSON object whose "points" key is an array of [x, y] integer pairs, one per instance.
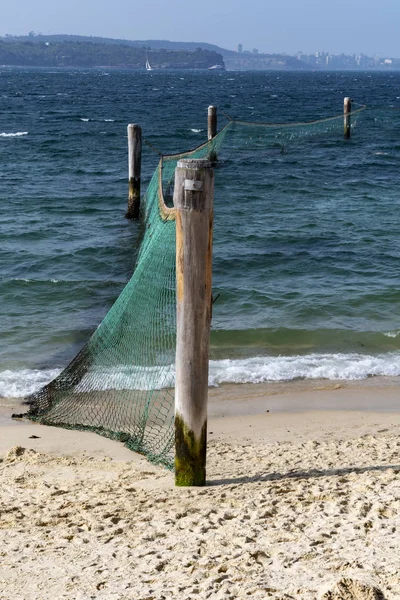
{"points": [[38, 50]]}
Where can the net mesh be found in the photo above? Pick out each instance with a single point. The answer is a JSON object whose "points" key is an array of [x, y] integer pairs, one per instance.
{"points": [[121, 384]]}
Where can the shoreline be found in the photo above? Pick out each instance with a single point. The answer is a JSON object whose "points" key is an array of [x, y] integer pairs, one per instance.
{"points": [[260, 412], [376, 394], [296, 395]]}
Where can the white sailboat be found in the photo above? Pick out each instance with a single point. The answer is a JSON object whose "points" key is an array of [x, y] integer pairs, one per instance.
{"points": [[148, 66]]}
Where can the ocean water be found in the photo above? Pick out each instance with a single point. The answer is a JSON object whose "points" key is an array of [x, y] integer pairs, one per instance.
{"points": [[306, 238]]}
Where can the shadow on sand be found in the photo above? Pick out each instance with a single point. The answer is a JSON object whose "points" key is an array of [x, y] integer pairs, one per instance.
{"points": [[312, 474]]}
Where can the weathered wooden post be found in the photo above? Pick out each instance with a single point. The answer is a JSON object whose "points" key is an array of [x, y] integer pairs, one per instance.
{"points": [[193, 202], [135, 163], [347, 118], [212, 122]]}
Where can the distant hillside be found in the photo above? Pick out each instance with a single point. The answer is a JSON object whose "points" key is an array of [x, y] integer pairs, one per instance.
{"points": [[178, 54], [153, 44], [46, 51], [78, 50]]}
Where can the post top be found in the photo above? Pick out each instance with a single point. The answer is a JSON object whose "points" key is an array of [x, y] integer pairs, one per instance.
{"points": [[194, 163]]}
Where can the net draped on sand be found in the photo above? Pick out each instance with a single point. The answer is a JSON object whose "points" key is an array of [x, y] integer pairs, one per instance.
{"points": [[121, 384]]}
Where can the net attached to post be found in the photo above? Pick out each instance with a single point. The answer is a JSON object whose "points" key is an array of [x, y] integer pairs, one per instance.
{"points": [[121, 384]]}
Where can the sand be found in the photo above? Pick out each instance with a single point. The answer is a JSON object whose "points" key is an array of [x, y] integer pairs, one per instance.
{"points": [[301, 504]]}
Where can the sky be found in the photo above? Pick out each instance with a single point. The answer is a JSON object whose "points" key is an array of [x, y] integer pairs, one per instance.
{"points": [[349, 26]]}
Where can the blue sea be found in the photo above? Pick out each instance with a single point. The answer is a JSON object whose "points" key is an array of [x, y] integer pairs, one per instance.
{"points": [[306, 237]]}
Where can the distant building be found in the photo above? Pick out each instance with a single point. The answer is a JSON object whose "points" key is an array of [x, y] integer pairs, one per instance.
{"points": [[255, 50], [240, 48]]}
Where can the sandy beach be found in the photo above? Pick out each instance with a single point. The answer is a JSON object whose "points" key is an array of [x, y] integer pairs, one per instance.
{"points": [[302, 502]]}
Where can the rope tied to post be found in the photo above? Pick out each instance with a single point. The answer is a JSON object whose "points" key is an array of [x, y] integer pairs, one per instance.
{"points": [[160, 154]]}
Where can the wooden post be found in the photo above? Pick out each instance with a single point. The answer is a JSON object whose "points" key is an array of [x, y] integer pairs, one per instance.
{"points": [[212, 122], [347, 118], [135, 163], [193, 202]]}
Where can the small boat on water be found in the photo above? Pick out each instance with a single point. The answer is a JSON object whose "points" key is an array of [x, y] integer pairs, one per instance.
{"points": [[148, 66], [216, 68]]}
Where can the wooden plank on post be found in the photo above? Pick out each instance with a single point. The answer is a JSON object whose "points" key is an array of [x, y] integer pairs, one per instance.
{"points": [[135, 164], [212, 122], [193, 202], [347, 118]]}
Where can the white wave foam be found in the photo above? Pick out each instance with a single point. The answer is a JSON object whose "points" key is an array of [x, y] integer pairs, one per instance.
{"points": [[109, 120], [392, 334], [17, 134], [17, 384], [197, 130], [35, 280], [85, 120], [127, 377], [250, 370], [311, 366]]}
